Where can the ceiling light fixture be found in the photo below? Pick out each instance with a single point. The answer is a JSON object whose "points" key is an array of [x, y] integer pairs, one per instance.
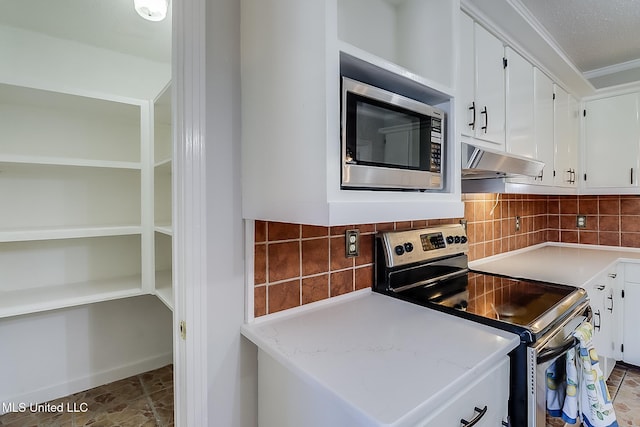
{"points": [[152, 10]]}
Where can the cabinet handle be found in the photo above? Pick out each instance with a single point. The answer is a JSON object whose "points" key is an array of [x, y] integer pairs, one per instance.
{"points": [[475, 419], [473, 122], [631, 176], [486, 119], [541, 176], [596, 326], [613, 275], [600, 287], [506, 423], [610, 298]]}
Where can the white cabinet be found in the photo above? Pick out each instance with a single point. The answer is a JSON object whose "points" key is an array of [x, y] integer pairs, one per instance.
{"points": [[482, 88], [601, 291], [311, 406], [566, 127], [520, 106], [486, 399], [611, 144], [543, 113], [631, 315], [293, 54], [530, 116]]}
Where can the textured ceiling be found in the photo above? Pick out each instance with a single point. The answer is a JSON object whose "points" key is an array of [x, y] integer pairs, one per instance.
{"points": [[109, 24], [594, 34]]}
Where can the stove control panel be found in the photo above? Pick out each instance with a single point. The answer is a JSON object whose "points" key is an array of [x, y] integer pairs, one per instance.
{"points": [[410, 246]]}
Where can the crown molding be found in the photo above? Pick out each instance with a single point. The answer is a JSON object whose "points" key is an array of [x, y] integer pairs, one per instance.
{"points": [[612, 69]]}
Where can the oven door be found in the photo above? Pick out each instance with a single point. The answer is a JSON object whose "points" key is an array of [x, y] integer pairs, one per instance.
{"points": [[544, 352]]}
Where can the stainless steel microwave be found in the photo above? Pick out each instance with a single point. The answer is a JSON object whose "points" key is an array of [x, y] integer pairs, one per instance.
{"points": [[390, 141]]}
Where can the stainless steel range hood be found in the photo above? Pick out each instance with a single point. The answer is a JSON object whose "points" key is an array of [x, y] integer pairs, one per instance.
{"points": [[482, 163]]}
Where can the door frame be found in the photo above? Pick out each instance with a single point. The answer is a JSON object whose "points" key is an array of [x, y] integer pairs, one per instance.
{"points": [[189, 212]]}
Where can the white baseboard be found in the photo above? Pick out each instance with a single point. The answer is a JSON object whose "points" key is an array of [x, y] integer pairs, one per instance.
{"points": [[84, 383]]}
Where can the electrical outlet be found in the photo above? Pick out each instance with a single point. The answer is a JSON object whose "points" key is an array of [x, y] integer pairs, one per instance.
{"points": [[581, 221], [352, 241], [517, 223]]}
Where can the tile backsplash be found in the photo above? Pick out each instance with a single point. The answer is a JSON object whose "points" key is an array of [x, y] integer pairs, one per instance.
{"points": [[295, 264]]}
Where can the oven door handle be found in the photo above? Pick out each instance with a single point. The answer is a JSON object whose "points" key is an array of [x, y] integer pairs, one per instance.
{"points": [[571, 341], [553, 352]]}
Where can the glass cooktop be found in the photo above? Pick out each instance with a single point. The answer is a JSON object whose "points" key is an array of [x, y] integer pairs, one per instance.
{"points": [[522, 303]]}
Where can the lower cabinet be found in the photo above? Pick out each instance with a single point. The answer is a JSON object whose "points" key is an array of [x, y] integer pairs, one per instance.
{"points": [[486, 400], [601, 291], [286, 400], [631, 315]]}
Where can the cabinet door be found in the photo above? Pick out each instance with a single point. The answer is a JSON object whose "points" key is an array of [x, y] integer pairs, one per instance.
{"points": [[631, 316], [519, 98], [543, 113], [566, 131], [467, 78], [489, 87], [612, 129], [490, 391], [603, 319]]}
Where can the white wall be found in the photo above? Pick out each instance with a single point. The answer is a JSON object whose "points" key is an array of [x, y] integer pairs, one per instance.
{"points": [[232, 361], [56, 353], [37, 60]]}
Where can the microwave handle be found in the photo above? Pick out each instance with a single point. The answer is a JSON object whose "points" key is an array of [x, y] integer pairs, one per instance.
{"points": [[473, 122]]}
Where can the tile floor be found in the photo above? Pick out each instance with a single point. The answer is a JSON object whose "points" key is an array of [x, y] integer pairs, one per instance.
{"points": [[142, 400], [624, 388], [146, 400]]}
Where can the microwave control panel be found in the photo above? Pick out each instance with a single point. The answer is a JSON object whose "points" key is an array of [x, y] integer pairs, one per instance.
{"points": [[436, 144]]}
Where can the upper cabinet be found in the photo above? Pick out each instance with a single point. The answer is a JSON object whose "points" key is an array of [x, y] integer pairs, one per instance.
{"points": [[611, 143], [566, 132], [520, 106], [482, 85], [544, 125], [293, 56], [541, 123]]}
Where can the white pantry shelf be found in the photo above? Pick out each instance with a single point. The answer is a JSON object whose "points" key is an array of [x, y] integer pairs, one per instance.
{"points": [[164, 289], [164, 162], [68, 161], [166, 229], [53, 233], [31, 300]]}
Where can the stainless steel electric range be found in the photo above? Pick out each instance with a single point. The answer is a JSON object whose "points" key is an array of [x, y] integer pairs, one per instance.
{"points": [[429, 267]]}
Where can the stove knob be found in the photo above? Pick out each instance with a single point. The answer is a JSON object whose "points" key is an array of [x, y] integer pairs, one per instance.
{"points": [[408, 247], [399, 250], [450, 240], [463, 239], [457, 239]]}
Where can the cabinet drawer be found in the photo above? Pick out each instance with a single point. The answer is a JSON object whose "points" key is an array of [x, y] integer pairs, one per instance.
{"points": [[491, 390]]}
